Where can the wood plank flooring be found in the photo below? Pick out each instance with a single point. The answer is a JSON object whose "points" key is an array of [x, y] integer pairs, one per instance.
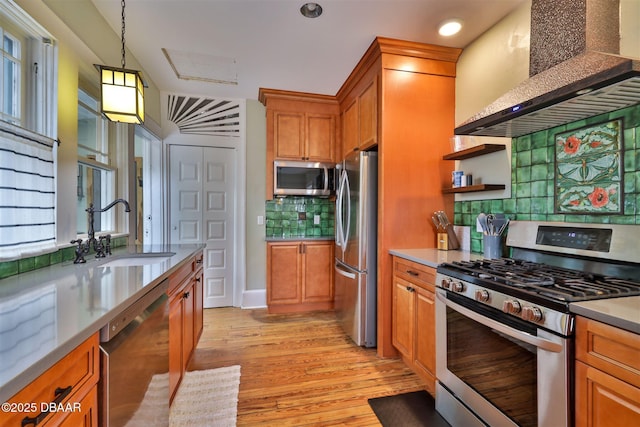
{"points": [[298, 369]]}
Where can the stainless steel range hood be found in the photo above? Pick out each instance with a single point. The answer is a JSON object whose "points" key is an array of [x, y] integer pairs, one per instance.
{"points": [[575, 72]]}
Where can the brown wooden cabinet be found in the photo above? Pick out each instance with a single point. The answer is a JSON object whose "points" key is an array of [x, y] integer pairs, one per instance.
{"points": [[360, 120], [185, 318], [405, 93], [607, 375], [413, 317], [300, 126], [300, 276], [71, 382]]}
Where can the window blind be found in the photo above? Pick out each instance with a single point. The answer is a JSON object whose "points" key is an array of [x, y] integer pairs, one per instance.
{"points": [[27, 192]]}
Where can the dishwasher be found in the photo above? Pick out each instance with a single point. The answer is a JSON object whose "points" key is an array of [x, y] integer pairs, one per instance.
{"points": [[134, 389]]}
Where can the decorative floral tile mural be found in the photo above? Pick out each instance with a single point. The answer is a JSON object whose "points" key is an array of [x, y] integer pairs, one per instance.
{"points": [[588, 169]]}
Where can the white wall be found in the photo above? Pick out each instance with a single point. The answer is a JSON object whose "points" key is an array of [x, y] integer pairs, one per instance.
{"points": [[494, 63]]}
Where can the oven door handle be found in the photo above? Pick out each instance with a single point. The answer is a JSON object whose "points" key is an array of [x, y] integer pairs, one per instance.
{"points": [[512, 332]]}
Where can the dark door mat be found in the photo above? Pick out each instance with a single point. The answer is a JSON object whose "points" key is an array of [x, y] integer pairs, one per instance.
{"points": [[416, 409]]}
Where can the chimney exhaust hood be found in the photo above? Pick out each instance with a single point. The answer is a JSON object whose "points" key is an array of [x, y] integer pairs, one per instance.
{"points": [[575, 72]]}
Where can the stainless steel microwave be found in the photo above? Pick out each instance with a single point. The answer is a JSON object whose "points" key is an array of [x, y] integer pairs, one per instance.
{"points": [[294, 178]]}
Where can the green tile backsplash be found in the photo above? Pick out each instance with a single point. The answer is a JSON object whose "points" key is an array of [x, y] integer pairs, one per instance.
{"points": [[11, 268], [293, 217], [532, 179]]}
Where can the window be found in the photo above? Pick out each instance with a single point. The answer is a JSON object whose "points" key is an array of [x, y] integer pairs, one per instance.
{"points": [[10, 70], [28, 119], [95, 175]]}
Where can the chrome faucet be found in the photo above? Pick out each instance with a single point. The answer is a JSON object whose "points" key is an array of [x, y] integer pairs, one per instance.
{"points": [[101, 245]]}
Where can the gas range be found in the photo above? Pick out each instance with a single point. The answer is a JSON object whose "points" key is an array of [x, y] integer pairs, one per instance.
{"points": [[552, 265]]}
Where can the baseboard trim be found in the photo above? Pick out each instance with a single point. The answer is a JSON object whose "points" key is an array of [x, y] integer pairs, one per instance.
{"points": [[254, 299]]}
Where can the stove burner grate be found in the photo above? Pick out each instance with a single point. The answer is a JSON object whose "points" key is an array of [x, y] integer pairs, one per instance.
{"points": [[557, 283]]}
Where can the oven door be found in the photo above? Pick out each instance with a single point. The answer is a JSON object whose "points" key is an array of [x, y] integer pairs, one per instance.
{"points": [[495, 369]]}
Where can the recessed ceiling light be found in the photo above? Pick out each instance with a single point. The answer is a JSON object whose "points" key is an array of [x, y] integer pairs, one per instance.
{"points": [[311, 10], [450, 27]]}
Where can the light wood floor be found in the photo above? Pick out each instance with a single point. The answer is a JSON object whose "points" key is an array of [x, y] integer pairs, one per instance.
{"points": [[298, 369]]}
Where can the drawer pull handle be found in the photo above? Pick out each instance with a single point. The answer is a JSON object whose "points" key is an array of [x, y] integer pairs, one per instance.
{"points": [[186, 295], [412, 273], [410, 289], [60, 394], [198, 261]]}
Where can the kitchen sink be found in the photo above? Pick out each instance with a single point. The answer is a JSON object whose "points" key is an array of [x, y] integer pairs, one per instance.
{"points": [[132, 260]]}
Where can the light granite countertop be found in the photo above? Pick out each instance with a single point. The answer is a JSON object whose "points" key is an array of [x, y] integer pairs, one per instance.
{"points": [[433, 257], [46, 313], [622, 312]]}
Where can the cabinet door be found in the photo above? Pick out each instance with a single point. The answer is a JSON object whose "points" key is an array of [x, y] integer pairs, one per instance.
{"points": [[86, 416], [188, 299], [321, 131], [283, 273], [289, 137], [425, 338], [350, 129], [368, 115], [175, 342], [318, 272], [403, 316], [603, 400], [198, 293]]}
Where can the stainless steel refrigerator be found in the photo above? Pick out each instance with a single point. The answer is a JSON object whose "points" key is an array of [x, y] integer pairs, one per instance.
{"points": [[356, 246]]}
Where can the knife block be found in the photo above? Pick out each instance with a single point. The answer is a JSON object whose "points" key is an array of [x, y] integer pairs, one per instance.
{"points": [[443, 241]]}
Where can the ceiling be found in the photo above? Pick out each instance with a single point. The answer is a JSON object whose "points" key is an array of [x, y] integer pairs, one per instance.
{"points": [[268, 43]]}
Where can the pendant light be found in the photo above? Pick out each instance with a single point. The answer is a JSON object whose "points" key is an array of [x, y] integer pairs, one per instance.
{"points": [[122, 90]]}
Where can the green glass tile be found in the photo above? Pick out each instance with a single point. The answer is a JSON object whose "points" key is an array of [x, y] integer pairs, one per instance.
{"points": [[8, 268], [523, 174], [523, 143], [468, 219], [26, 264], [523, 217], [539, 205], [497, 206], [539, 172], [523, 190], [268, 231], [623, 219], [539, 188], [476, 245], [575, 218], [55, 257], [629, 141], [509, 206], [539, 140], [629, 206], [457, 207], [551, 204], [68, 254], [538, 217], [630, 182], [42, 261], [556, 218], [539, 156], [476, 207], [466, 207], [457, 218], [523, 206], [523, 159]]}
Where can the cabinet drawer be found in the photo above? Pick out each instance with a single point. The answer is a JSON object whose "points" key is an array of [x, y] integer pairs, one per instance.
{"points": [[177, 279], [610, 349], [418, 274], [67, 381]]}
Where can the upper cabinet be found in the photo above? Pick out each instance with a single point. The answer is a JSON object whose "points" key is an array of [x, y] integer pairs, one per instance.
{"points": [[360, 120], [300, 126]]}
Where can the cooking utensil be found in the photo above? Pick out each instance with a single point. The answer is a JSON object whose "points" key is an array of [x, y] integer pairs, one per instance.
{"points": [[482, 220]]}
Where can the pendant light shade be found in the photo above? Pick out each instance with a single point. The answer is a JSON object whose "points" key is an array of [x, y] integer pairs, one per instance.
{"points": [[122, 94], [122, 90]]}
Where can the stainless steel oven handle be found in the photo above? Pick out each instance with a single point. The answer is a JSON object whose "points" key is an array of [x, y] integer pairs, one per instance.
{"points": [[514, 333]]}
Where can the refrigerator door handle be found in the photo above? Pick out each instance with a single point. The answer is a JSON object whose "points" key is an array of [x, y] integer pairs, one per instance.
{"points": [[347, 190], [339, 213], [346, 274]]}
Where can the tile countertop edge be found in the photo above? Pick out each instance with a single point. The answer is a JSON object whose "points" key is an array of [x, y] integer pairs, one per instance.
{"points": [[33, 371], [433, 257], [621, 312]]}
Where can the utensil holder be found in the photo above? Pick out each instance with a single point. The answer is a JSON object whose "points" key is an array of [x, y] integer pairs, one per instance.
{"points": [[492, 246]]}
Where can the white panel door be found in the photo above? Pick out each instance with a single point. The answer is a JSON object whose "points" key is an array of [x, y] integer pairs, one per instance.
{"points": [[202, 211]]}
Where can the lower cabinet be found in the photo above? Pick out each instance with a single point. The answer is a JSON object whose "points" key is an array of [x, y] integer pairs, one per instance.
{"points": [[413, 317], [185, 318], [300, 276], [607, 375], [65, 395]]}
